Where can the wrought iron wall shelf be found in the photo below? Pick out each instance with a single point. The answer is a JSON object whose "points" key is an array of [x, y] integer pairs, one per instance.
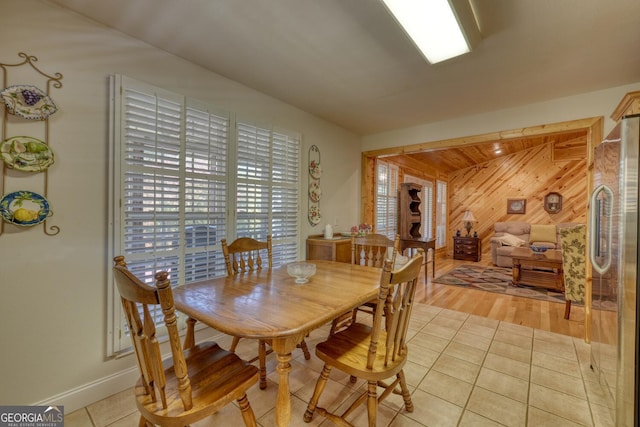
{"points": [[27, 106]]}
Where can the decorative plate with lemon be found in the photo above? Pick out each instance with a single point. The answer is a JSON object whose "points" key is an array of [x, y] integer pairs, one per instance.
{"points": [[26, 154], [24, 208]]}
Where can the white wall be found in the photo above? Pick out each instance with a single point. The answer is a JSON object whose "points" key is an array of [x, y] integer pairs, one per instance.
{"points": [[593, 104], [53, 304], [54, 291]]}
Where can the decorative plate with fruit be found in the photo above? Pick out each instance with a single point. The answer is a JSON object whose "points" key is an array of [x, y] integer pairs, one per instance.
{"points": [[24, 208], [26, 154], [28, 102]]}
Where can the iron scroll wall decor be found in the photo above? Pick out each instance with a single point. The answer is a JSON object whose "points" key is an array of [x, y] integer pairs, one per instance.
{"points": [[315, 191], [23, 153]]}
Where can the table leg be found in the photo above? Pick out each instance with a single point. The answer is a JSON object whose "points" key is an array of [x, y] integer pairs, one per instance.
{"points": [[433, 262], [426, 270], [283, 347], [561, 280], [283, 402], [516, 271], [190, 337]]}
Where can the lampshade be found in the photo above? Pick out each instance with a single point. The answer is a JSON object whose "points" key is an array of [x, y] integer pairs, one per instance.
{"points": [[468, 217]]}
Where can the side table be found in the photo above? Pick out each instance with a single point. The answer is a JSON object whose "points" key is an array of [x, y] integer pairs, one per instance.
{"points": [[467, 248], [425, 244]]}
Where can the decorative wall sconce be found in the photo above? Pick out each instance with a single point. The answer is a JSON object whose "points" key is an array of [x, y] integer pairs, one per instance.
{"points": [[553, 202]]}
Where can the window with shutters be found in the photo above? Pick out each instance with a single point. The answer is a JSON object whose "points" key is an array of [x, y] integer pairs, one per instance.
{"points": [[386, 221], [268, 175], [186, 175], [441, 214]]}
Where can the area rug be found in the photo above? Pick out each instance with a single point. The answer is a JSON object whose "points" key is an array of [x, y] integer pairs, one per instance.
{"points": [[495, 279]]}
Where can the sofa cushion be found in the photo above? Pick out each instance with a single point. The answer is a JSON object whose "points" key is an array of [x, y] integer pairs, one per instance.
{"points": [[543, 233], [510, 240], [517, 228], [505, 251]]}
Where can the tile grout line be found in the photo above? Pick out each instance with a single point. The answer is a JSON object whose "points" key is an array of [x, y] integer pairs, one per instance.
{"points": [[526, 410], [582, 379], [584, 385], [441, 319], [475, 381]]}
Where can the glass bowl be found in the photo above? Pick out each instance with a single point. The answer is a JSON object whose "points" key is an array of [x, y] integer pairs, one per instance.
{"points": [[301, 271], [538, 249]]}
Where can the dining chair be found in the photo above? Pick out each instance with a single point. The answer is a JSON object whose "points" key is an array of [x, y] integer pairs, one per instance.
{"points": [[245, 255], [573, 243], [374, 352], [370, 250], [199, 382]]}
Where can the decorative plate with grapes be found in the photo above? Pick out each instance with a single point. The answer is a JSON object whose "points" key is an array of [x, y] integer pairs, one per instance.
{"points": [[28, 102]]}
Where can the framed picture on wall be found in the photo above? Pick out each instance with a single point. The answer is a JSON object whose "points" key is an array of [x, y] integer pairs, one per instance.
{"points": [[516, 206]]}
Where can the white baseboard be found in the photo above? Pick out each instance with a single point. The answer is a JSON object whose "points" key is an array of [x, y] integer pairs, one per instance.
{"points": [[92, 392], [86, 394]]}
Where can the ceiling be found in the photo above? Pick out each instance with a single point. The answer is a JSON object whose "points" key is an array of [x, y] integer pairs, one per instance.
{"points": [[449, 160], [348, 62]]}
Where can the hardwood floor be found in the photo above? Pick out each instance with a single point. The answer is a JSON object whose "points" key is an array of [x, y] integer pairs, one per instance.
{"points": [[547, 316]]}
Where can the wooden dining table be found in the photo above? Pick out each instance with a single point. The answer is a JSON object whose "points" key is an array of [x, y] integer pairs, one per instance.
{"points": [[268, 304]]}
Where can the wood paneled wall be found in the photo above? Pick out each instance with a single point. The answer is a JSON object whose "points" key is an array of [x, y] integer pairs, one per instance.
{"points": [[529, 174]]}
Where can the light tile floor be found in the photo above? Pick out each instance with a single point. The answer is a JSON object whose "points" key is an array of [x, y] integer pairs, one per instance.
{"points": [[463, 370]]}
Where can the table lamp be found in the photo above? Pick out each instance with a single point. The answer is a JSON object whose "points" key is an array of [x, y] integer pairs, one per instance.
{"points": [[468, 219]]}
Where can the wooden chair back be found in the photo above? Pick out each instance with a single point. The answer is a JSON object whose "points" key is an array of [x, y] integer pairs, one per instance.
{"points": [[246, 254], [375, 353], [372, 249], [573, 242], [137, 298], [395, 302], [201, 380]]}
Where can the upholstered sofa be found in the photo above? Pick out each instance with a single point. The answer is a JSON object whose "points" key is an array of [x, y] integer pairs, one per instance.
{"points": [[512, 234]]}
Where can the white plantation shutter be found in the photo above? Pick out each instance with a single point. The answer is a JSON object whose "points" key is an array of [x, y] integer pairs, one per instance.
{"points": [[427, 197], [174, 195], [441, 214], [150, 211], [285, 196], [254, 176], [148, 190], [386, 199], [268, 188], [205, 191]]}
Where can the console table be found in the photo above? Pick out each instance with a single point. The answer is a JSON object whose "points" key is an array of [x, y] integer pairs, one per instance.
{"points": [[336, 249], [425, 244]]}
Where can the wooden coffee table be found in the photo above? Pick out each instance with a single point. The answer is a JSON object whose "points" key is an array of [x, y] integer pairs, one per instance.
{"points": [[545, 269]]}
